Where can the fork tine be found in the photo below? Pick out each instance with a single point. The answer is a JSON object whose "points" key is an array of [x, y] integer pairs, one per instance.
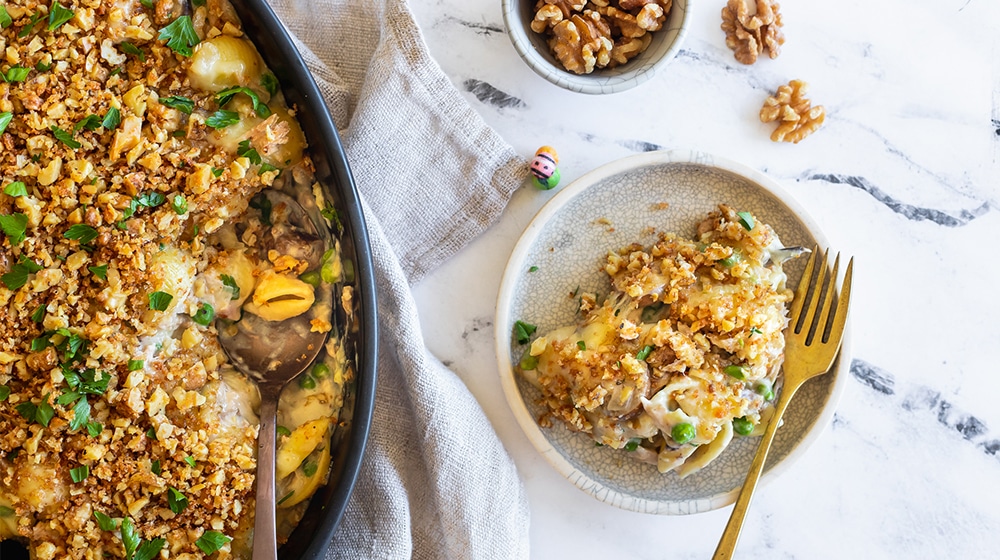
{"points": [[843, 303], [824, 319], [808, 319], [802, 289]]}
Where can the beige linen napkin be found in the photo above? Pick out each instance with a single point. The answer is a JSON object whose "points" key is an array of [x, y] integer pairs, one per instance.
{"points": [[436, 481]]}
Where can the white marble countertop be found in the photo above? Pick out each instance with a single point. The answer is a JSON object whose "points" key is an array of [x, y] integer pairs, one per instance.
{"points": [[904, 175]]}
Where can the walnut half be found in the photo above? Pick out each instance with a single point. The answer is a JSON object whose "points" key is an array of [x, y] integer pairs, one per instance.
{"points": [[752, 28], [795, 114]]}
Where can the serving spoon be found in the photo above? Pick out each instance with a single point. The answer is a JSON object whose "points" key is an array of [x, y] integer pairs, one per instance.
{"points": [[272, 354]]}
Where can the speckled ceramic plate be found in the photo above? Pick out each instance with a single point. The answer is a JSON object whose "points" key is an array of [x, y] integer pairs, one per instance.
{"points": [[563, 249]]}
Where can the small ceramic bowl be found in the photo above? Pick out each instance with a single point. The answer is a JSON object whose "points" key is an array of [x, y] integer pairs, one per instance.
{"points": [[534, 50]]}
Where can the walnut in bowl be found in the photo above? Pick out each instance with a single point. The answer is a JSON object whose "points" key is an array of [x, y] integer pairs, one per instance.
{"points": [[596, 46]]}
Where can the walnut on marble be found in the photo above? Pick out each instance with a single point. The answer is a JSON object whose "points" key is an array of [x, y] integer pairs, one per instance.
{"points": [[753, 27], [587, 35], [793, 111]]}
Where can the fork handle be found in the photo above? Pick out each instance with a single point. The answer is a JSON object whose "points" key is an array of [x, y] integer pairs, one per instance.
{"points": [[727, 544]]}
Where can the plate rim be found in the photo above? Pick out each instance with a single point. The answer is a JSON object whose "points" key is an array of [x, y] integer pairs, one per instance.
{"points": [[503, 321]]}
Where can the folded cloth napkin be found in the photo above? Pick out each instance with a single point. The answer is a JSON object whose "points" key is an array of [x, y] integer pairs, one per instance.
{"points": [[436, 481]]}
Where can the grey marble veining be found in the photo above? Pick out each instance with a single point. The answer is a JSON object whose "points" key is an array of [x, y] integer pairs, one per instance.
{"points": [[904, 174]]}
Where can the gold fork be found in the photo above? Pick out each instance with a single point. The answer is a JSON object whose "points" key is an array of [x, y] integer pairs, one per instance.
{"points": [[812, 342]]}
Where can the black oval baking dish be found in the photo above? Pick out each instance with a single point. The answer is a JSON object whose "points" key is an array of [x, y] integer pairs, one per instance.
{"points": [[314, 533]]}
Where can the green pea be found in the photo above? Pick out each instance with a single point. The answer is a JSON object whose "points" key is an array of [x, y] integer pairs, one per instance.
{"points": [[683, 433], [763, 388], [311, 277], [742, 426], [735, 371], [320, 370], [309, 467], [528, 362], [283, 431], [307, 382]]}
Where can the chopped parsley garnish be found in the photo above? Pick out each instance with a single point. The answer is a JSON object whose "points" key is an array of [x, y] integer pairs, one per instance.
{"points": [[39, 314], [155, 467], [755, 330], [179, 102], [18, 275], [5, 19], [94, 429], [190, 461], [222, 119], [112, 118], [4, 392], [266, 167], [632, 444], [41, 413], [15, 74], [150, 199], [129, 48], [309, 467], [246, 150], [217, 172], [285, 497], [136, 365], [105, 522], [58, 16], [159, 301], [282, 431], [90, 122], [523, 331], [746, 219], [147, 3], [99, 271], [5, 119], [176, 500], [581, 345], [82, 233], [644, 353], [81, 414], [263, 204], [64, 137], [17, 188], [15, 226], [35, 18], [230, 282], [6, 511], [532, 269], [180, 204], [86, 381], [180, 35], [135, 548], [269, 83], [79, 474], [151, 433], [226, 95], [212, 541], [42, 67], [204, 315]]}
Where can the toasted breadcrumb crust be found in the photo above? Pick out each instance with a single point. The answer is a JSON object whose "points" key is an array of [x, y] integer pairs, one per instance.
{"points": [[164, 425]]}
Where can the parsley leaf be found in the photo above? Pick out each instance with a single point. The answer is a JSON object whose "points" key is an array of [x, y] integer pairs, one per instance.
{"points": [[246, 150], [179, 102], [42, 67], [82, 233], [222, 119], [129, 48], [211, 541], [4, 392], [230, 282], [147, 3], [105, 522], [190, 461], [15, 226], [180, 204], [112, 118], [136, 365], [41, 413], [180, 35], [150, 549], [64, 137], [155, 468], [94, 429], [99, 271], [644, 353], [197, 3], [204, 315], [5, 119], [746, 219], [226, 95], [90, 122], [176, 500], [17, 188], [15, 74], [18, 275], [130, 537], [523, 331], [5, 19], [150, 199], [79, 474], [269, 83], [39, 315], [37, 17], [81, 415], [159, 301], [58, 16]]}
